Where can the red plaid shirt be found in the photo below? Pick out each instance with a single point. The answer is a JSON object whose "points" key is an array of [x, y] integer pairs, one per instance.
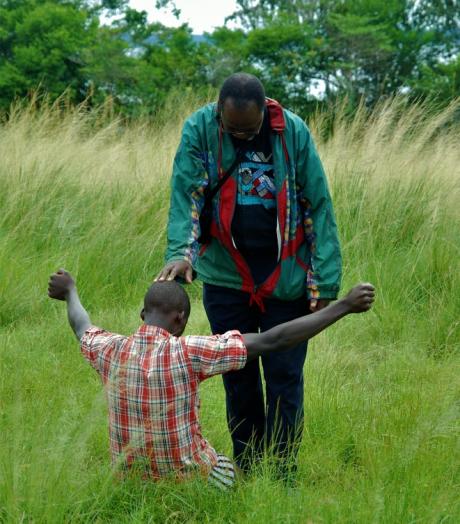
{"points": [[151, 380]]}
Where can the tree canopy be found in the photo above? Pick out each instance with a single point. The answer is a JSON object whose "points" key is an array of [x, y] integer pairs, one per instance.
{"points": [[303, 51]]}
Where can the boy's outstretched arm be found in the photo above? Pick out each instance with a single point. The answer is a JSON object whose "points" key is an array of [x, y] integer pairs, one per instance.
{"points": [[61, 286], [287, 335]]}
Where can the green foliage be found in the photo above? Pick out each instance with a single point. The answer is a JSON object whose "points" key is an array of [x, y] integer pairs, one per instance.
{"points": [[173, 60], [440, 81], [365, 48], [224, 53], [58, 46], [306, 52], [41, 44]]}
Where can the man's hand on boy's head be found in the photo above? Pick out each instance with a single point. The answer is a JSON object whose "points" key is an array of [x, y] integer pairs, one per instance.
{"points": [[60, 284], [176, 268], [360, 298]]}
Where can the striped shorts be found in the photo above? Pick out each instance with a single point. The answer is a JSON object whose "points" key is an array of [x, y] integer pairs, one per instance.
{"points": [[222, 474]]}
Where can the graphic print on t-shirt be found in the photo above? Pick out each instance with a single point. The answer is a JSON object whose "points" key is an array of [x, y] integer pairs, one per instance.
{"points": [[255, 181]]}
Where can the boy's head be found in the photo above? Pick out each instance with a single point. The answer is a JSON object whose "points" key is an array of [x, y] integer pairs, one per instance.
{"points": [[166, 304]]}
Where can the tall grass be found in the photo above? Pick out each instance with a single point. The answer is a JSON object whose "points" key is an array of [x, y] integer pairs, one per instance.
{"points": [[90, 193]]}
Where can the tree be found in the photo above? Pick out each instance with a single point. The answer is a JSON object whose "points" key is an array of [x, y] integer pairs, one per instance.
{"points": [[41, 44], [59, 45], [358, 48], [301, 49]]}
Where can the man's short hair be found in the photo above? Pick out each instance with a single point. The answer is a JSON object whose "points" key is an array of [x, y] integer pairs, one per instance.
{"points": [[166, 296], [243, 89]]}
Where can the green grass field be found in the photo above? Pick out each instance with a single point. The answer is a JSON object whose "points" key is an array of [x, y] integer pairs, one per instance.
{"points": [[381, 441]]}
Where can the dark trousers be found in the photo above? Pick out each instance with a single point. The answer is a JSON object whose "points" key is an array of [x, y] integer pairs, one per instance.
{"points": [[253, 423]]}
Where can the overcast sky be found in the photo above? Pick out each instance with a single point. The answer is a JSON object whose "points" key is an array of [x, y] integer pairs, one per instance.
{"points": [[201, 15]]}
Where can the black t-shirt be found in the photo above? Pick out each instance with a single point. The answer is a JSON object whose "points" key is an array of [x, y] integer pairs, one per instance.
{"points": [[255, 218]]}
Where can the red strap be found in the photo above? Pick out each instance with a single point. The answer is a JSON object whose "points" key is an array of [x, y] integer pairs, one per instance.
{"points": [[258, 300], [219, 154], [286, 154]]}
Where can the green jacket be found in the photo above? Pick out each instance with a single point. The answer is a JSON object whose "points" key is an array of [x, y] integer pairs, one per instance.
{"points": [[308, 251]]}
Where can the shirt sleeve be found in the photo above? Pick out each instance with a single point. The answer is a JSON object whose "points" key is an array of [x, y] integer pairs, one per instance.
{"points": [[188, 181], [216, 354], [319, 219], [93, 342]]}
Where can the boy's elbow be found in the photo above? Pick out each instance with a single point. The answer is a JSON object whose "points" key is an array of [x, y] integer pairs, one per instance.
{"points": [[256, 345], [271, 342]]}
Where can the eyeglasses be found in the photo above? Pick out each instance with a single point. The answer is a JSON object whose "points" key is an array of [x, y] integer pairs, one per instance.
{"points": [[250, 133]]}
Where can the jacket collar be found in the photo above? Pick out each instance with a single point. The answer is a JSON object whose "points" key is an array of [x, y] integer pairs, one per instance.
{"points": [[276, 115]]}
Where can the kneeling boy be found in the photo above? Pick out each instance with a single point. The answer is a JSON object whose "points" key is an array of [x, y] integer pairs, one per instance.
{"points": [[152, 377]]}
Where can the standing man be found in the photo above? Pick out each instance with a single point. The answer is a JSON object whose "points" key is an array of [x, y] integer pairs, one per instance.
{"points": [[273, 253]]}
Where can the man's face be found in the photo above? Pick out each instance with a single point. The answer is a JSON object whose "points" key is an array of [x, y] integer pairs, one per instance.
{"points": [[245, 123]]}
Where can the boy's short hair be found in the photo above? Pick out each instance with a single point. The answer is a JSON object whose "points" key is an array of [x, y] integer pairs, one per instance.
{"points": [[166, 296]]}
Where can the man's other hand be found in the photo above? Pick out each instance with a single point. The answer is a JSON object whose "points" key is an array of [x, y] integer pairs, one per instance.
{"points": [[360, 298], [176, 268], [318, 305], [60, 284]]}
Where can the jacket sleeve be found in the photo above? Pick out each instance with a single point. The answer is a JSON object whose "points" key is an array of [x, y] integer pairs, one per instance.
{"points": [[189, 179], [319, 220]]}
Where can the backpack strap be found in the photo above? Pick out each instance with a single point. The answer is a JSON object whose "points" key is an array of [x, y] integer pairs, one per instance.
{"points": [[212, 192]]}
